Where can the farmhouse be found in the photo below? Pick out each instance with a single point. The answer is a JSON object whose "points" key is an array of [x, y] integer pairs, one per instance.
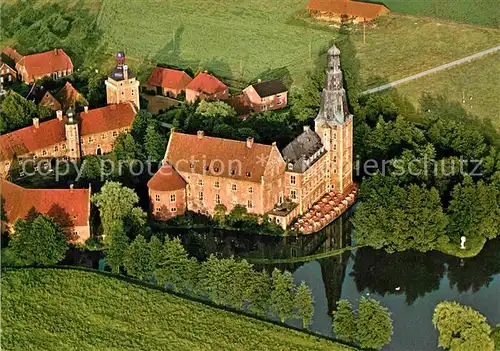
{"points": [[70, 208], [206, 87], [202, 172], [345, 10], [268, 95], [55, 63], [7, 73], [168, 82]]}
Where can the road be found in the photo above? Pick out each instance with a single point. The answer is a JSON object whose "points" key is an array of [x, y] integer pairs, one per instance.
{"points": [[432, 70]]}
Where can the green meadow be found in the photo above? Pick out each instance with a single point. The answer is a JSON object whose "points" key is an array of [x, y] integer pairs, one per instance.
{"points": [[53, 309]]}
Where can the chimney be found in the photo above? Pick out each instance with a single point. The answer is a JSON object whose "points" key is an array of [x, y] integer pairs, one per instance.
{"points": [[249, 142], [273, 144], [86, 109], [59, 115], [55, 52], [200, 134], [259, 80], [306, 128], [71, 186], [36, 122], [125, 72]]}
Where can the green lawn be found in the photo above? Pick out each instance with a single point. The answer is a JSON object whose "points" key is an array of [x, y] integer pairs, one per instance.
{"points": [[474, 85], [478, 12], [398, 47], [75, 310], [234, 39]]}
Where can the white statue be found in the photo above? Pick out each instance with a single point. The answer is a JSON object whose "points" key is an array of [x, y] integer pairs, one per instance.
{"points": [[462, 242]]}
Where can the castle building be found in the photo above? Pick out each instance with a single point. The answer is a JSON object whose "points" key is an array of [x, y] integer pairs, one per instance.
{"points": [[311, 174], [54, 63], [71, 136], [121, 85], [70, 208]]}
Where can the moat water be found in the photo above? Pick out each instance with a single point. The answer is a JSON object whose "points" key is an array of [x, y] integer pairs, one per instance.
{"points": [[409, 283]]}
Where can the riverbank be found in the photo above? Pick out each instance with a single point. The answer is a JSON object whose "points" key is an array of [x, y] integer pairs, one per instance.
{"points": [[63, 300], [472, 248]]}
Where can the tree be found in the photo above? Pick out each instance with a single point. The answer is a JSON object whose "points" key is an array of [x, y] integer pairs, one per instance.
{"points": [[461, 328], [344, 322], [304, 304], [172, 266], [156, 252], [398, 218], [282, 301], [117, 246], [91, 170], [38, 241], [216, 109], [259, 292], [18, 111], [138, 260], [474, 210], [154, 143], [220, 214], [115, 202], [374, 324]]}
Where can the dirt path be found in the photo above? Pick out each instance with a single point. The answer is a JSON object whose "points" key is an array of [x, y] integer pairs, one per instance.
{"points": [[432, 70]]}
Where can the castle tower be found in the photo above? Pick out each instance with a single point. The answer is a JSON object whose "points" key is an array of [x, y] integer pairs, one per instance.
{"points": [[334, 126], [121, 85], [72, 136]]}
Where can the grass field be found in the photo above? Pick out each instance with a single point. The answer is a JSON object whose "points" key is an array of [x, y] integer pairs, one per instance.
{"points": [[399, 47], [474, 85], [75, 310], [235, 39], [478, 12]]}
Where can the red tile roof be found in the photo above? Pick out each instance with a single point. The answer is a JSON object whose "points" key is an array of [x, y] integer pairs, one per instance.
{"points": [[166, 179], [18, 201], [107, 118], [50, 101], [30, 139], [169, 78], [52, 132], [69, 96], [46, 62], [249, 163], [13, 54], [347, 7], [207, 84]]}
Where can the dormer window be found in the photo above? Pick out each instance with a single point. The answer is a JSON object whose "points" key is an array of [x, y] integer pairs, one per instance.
{"points": [[290, 166]]}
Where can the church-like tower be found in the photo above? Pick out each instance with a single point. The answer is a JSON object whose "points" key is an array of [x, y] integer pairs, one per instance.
{"points": [[121, 85], [72, 136], [334, 126]]}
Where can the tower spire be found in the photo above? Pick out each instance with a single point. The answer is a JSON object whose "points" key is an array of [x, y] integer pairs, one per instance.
{"points": [[333, 98]]}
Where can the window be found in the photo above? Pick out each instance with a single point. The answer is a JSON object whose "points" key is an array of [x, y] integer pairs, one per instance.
{"points": [[172, 198], [217, 185], [157, 198], [115, 133], [334, 135], [91, 140], [103, 136], [249, 174], [234, 187], [200, 196], [200, 182], [335, 171], [191, 164], [292, 179], [217, 199], [232, 172], [250, 190], [334, 146], [56, 148], [158, 209], [63, 146], [44, 152], [173, 209], [334, 158], [250, 204], [293, 194]]}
